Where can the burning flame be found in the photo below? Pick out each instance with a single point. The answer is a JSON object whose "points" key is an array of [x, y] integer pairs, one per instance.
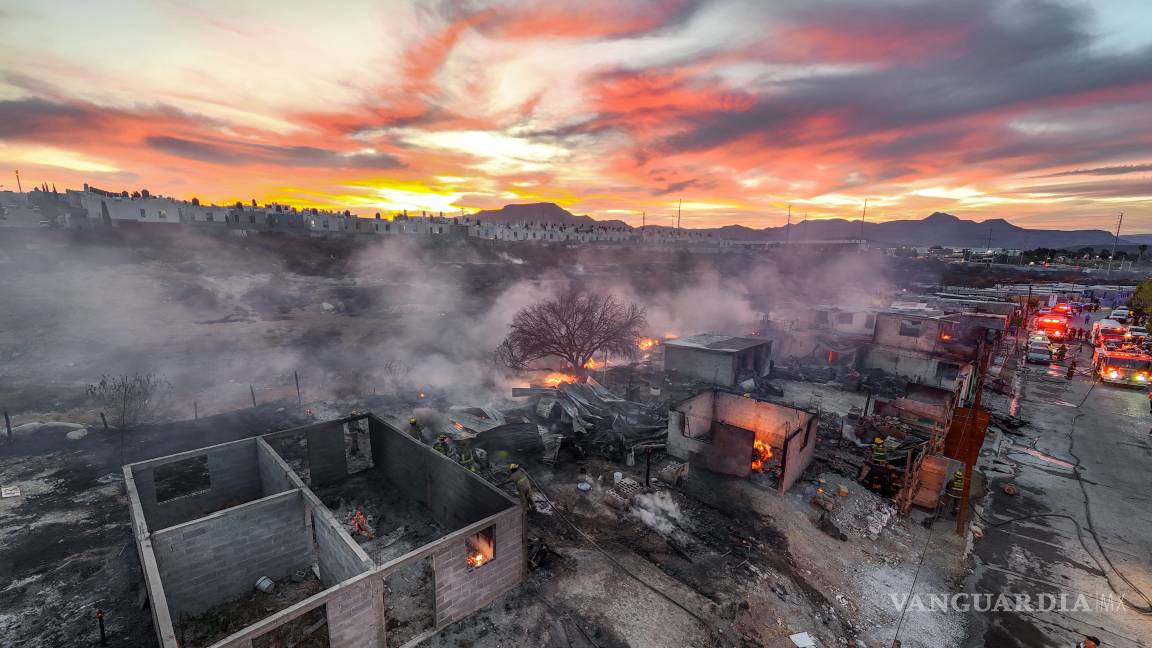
{"points": [[761, 452], [555, 379], [593, 364], [646, 344], [476, 559]]}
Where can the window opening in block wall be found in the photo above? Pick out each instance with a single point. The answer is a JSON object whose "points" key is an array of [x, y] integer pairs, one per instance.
{"points": [[479, 548]]}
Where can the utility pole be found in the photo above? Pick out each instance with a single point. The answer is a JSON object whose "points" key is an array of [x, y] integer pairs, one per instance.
{"points": [[863, 214], [988, 249], [788, 227], [679, 204], [643, 224], [1115, 239], [18, 185]]}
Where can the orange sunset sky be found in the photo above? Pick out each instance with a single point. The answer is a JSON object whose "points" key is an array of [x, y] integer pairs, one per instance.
{"points": [[1038, 111]]}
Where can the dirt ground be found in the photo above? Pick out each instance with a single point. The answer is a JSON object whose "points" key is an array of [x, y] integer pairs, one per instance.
{"points": [[66, 545]]}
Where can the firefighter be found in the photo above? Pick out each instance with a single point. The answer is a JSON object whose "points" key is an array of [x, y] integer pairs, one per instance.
{"points": [[879, 452], [1061, 352], [523, 484], [414, 429], [441, 444], [956, 490], [466, 457], [1071, 370]]}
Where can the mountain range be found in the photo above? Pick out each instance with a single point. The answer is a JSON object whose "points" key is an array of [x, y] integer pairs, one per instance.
{"points": [[937, 229]]}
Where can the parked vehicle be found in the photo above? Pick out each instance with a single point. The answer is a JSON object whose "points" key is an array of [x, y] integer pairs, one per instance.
{"points": [[1054, 325], [1108, 331], [1120, 315], [1137, 334], [1038, 353], [1122, 367]]}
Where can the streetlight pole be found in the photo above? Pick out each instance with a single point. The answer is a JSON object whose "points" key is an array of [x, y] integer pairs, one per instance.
{"points": [[1115, 240]]}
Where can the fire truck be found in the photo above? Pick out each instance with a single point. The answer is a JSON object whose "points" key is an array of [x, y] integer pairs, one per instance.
{"points": [[1054, 325], [1129, 367], [1108, 332]]}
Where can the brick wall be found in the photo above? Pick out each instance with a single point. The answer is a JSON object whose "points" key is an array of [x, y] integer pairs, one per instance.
{"points": [[455, 496], [461, 590], [327, 462], [234, 477], [356, 615], [219, 557]]}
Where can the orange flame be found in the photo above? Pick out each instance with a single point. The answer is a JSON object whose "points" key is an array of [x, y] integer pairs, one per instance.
{"points": [[761, 452], [555, 379], [477, 559], [646, 344], [593, 364]]}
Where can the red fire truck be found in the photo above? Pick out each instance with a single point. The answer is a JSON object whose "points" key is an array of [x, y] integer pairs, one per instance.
{"points": [[1129, 367], [1053, 325]]}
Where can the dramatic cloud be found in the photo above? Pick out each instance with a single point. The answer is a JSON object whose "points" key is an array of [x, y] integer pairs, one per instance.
{"points": [[609, 107]]}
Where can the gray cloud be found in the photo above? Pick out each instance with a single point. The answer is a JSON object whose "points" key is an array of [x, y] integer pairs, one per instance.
{"points": [[1113, 189], [232, 153], [1119, 169], [1029, 52]]}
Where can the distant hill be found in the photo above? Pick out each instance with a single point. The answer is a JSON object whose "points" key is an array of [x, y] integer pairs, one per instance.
{"points": [[937, 229], [946, 229], [542, 213]]}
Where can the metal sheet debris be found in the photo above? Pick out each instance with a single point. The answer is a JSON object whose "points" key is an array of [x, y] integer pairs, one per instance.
{"points": [[9, 491]]}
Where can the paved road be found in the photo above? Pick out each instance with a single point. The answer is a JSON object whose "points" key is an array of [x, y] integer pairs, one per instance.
{"points": [[1105, 431]]}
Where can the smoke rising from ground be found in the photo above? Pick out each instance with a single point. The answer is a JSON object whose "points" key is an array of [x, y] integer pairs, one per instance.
{"points": [[661, 513], [215, 315]]}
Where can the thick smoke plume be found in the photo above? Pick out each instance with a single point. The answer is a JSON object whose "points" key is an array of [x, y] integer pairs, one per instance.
{"points": [[351, 318]]}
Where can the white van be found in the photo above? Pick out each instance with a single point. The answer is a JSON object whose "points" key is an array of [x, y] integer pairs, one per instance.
{"points": [[1120, 315]]}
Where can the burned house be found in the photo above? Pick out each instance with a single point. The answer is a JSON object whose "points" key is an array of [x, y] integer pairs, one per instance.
{"points": [[931, 348], [250, 543], [718, 359], [738, 435]]}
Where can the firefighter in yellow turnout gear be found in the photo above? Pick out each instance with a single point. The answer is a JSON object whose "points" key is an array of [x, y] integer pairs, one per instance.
{"points": [[879, 452], [956, 490], [523, 484]]}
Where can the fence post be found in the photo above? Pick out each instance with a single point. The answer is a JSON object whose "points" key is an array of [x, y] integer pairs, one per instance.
{"points": [[195, 411], [8, 424], [299, 397], [252, 391]]}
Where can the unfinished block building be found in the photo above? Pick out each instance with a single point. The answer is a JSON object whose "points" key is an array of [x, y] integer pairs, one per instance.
{"points": [[736, 435], [211, 523]]}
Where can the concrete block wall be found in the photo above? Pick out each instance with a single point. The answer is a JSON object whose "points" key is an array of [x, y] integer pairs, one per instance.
{"points": [[327, 462], [460, 589], [274, 475], [356, 615], [219, 557], [764, 418], [232, 471], [337, 559], [714, 367], [798, 453], [456, 497]]}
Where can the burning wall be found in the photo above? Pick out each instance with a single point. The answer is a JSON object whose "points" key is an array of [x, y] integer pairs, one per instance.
{"points": [[737, 435]]}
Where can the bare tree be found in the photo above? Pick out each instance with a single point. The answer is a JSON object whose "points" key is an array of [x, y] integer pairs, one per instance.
{"points": [[573, 327], [131, 400]]}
